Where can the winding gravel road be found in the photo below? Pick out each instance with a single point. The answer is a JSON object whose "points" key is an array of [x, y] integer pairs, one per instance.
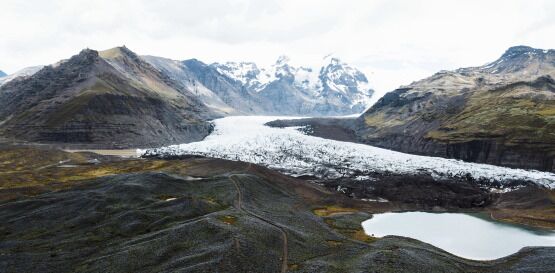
{"points": [[239, 205]]}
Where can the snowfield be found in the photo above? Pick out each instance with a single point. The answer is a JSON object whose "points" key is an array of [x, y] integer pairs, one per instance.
{"points": [[246, 138]]}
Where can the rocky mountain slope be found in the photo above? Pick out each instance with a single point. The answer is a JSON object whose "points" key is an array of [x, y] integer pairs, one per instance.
{"points": [[111, 99], [200, 215], [209, 86], [501, 113], [335, 88]]}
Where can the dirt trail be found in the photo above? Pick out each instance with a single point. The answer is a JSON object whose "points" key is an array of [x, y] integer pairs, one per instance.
{"points": [[235, 181]]}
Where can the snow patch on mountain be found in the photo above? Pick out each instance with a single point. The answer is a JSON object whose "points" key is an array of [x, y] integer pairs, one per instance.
{"points": [[247, 73], [288, 150], [25, 72], [307, 78]]}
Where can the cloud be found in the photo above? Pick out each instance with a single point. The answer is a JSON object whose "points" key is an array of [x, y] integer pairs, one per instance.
{"points": [[394, 42]]}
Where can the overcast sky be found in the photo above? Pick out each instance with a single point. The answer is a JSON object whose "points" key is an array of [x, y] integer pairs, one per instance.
{"points": [[393, 42]]}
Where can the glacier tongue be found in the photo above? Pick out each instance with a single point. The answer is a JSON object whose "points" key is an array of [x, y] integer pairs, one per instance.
{"points": [[246, 138]]}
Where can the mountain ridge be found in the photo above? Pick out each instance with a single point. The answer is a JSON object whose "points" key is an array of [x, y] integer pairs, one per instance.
{"points": [[115, 100], [281, 89], [244, 88], [25, 72], [500, 113]]}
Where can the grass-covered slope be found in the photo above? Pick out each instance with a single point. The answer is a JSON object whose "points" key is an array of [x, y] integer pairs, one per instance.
{"points": [[501, 113], [106, 99]]}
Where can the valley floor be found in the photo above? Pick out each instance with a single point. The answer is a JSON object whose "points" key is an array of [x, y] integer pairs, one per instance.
{"points": [[110, 214]]}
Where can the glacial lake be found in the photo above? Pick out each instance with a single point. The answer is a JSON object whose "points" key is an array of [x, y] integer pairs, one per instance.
{"points": [[470, 236]]}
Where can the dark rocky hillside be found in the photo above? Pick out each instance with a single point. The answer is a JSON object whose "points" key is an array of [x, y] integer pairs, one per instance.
{"points": [[106, 99], [502, 113], [198, 215]]}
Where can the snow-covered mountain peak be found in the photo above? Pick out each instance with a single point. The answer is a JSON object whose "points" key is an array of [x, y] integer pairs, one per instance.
{"points": [[330, 60], [330, 87], [335, 61], [335, 64], [282, 60], [342, 77], [247, 73], [332, 79], [242, 71]]}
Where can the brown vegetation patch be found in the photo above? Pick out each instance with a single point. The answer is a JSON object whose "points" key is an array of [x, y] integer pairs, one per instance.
{"points": [[228, 219], [332, 210]]}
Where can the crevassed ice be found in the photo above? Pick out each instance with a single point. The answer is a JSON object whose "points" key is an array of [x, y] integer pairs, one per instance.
{"points": [[246, 138]]}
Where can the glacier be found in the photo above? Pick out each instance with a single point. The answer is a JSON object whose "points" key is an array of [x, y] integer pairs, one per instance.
{"points": [[248, 139]]}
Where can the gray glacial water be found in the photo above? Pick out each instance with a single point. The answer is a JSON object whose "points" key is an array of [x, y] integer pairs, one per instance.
{"points": [[465, 235]]}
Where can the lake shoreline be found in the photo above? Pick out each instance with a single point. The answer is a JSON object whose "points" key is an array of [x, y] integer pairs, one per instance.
{"points": [[468, 235]]}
